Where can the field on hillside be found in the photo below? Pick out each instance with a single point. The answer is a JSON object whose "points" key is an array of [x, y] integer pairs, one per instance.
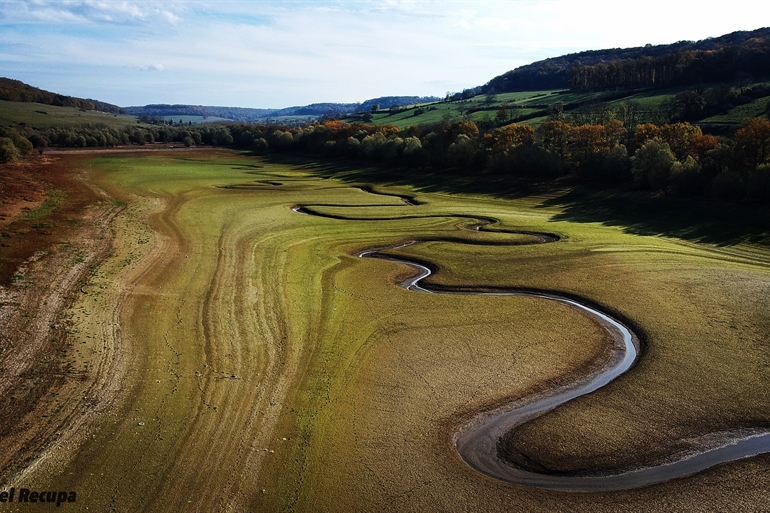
{"points": [[531, 107], [195, 120], [753, 109], [49, 116], [478, 108], [233, 354]]}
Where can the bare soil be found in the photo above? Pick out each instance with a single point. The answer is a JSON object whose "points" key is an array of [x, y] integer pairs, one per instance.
{"points": [[44, 266]]}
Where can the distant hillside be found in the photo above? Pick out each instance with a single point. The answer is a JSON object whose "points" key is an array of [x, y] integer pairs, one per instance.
{"points": [[17, 91], [244, 114], [233, 113], [723, 58]]}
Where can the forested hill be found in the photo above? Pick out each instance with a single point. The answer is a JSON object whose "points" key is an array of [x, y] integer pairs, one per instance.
{"points": [[245, 114], [725, 58], [233, 113], [17, 91]]}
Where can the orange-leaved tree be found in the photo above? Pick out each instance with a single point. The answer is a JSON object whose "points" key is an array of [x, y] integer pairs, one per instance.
{"points": [[752, 142]]}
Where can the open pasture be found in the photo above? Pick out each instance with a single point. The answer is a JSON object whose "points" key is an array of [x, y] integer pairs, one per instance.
{"points": [[531, 107], [48, 116], [259, 365]]}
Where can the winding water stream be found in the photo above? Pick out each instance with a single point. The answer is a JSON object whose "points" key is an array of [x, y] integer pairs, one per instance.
{"points": [[477, 441]]}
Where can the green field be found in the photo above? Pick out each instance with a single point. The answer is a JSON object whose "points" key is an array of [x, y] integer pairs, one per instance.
{"points": [[263, 367], [195, 120], [524, 107], [756, 108], [41, 116], [482, 110]]}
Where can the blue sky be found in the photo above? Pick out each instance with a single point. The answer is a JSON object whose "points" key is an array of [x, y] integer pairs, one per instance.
{"points": [[278, 54]]}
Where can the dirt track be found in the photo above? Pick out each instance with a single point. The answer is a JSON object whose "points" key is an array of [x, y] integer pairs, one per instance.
{"points": [[146, 360], [47, 392]]}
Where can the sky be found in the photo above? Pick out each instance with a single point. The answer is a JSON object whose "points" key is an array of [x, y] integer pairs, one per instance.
{"points": [[270, 54]]}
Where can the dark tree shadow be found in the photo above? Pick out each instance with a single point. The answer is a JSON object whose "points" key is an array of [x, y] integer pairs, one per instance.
{"points": [[422, 180], [640, 213], [704, 221]]}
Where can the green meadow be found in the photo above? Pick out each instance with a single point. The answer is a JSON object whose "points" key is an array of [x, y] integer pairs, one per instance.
{"points": [[49, 116], [195, 120], [531, 107]]}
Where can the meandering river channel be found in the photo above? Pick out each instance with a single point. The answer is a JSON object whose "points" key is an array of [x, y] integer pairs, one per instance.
{"points": [[477, 441]]}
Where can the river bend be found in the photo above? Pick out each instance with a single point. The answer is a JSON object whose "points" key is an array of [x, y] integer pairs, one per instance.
{"points": [[477, 441]]}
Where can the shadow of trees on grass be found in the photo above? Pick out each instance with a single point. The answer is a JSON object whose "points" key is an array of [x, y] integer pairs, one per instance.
{"points": [[640, 213], [709, 222]]}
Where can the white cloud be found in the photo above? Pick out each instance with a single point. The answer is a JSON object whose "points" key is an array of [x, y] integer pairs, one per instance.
{"points": [[154, 67], [273, 54], [170, 17], [87, 11], [111, 11]]}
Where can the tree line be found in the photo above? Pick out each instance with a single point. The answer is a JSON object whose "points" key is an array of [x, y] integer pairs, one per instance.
{"points": [[684, 67], [672, 158]]}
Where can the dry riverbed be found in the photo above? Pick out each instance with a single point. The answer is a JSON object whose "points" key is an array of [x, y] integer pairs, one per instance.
{"points": [[188, 342]]}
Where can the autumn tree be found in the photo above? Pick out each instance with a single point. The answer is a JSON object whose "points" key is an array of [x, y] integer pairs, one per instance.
{"points": [[501, 139], [614, 132], [702, 144], [555, 136], [388, 130], [680, 138], [585, 142], [464, 127], [644, 133], [338, 128], [752, 142], [589, 145]]}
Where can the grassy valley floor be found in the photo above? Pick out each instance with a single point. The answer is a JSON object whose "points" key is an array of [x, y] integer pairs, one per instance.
{"points": [[239, 358]]}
